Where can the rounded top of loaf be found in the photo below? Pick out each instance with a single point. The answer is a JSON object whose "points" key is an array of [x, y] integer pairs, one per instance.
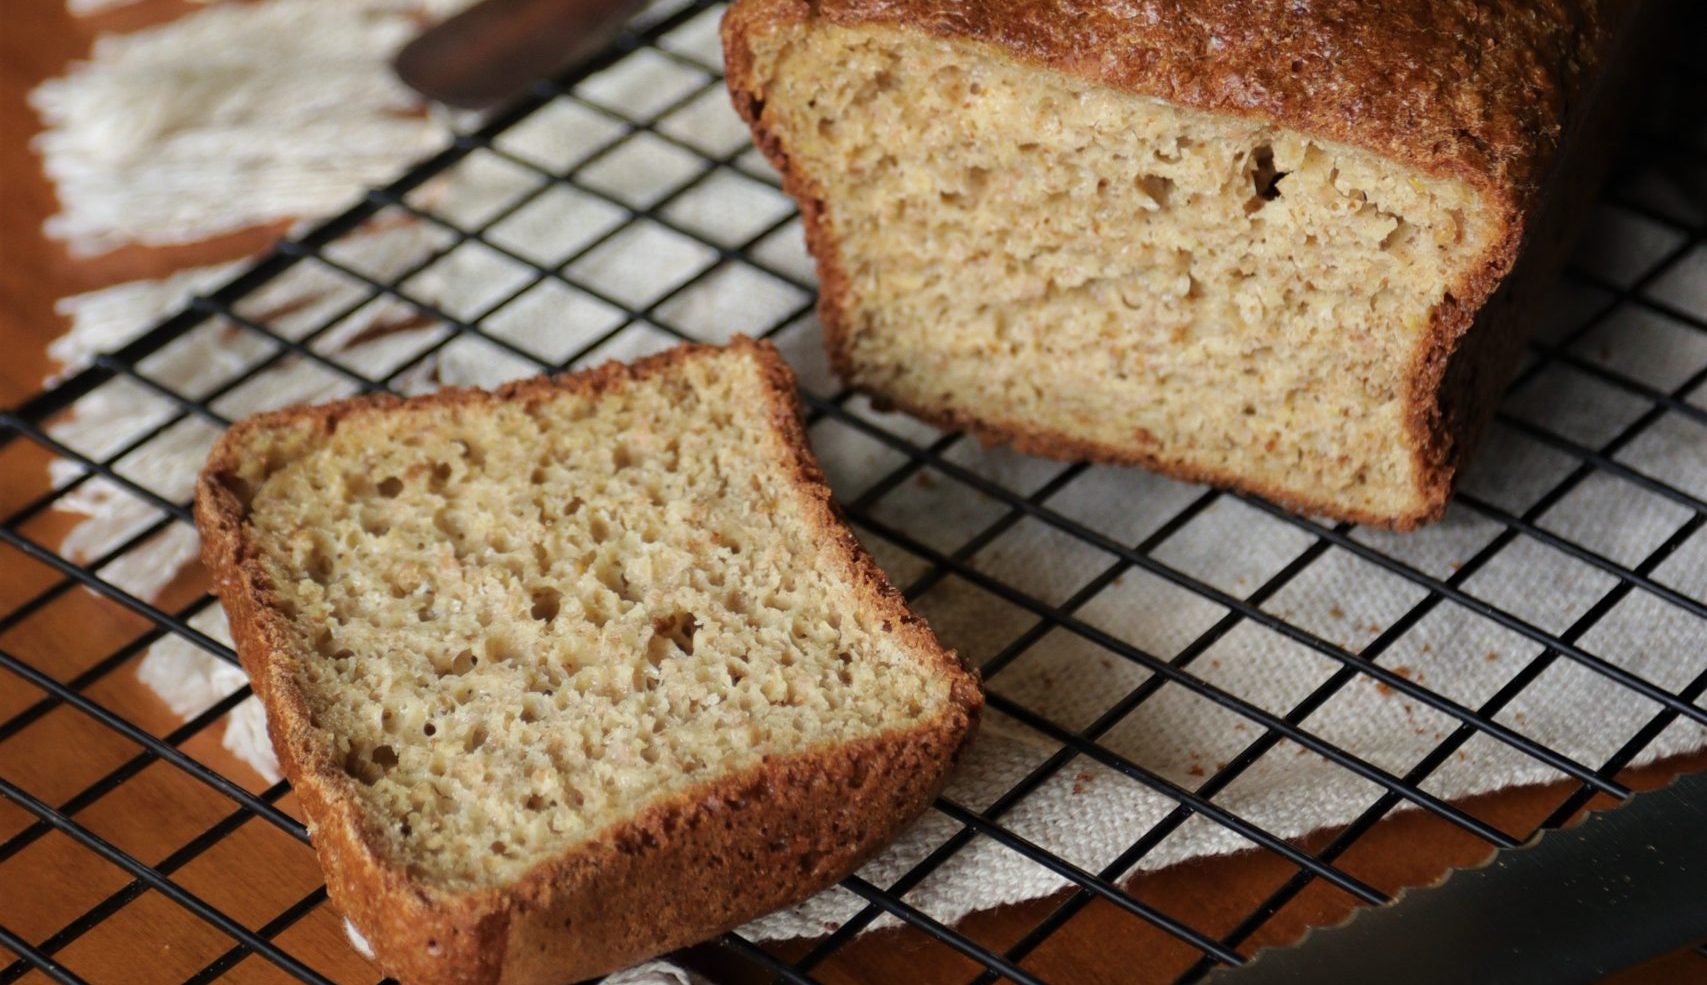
{"points": [[1474, 90]]}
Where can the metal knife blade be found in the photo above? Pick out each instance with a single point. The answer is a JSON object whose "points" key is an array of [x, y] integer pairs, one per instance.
{"points": [[492, 50], [1572, 905]]}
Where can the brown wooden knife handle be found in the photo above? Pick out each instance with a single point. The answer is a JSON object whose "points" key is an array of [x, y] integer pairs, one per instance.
{"points": [[492, 50]]}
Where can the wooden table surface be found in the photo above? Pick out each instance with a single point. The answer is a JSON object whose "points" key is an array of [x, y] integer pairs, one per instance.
{"points": [[255, 872]]}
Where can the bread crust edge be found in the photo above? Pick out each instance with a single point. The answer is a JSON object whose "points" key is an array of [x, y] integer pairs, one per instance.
{"points": [[683, 870]]}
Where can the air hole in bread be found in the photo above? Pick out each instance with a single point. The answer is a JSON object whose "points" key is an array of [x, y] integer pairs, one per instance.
{"points": [[678, 628], [320, 565], [238, 487], [1402, 234], [460, 663], [547, 603], [364, 767], [1157, 189], [1265, 180]]}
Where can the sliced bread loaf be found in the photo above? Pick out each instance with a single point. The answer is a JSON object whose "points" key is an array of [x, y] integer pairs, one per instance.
{"points": [[1244, 243], [575, 672]]}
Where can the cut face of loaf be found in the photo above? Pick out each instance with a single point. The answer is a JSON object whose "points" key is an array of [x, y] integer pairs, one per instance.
{"points": [[577, 673], [1086, 270]]}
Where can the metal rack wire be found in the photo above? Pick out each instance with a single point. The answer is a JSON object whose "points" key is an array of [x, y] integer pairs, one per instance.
{"points": [[678, 33]]}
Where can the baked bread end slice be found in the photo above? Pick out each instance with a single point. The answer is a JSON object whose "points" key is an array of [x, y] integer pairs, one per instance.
{"points": [[1256, 245], [576, 672]]}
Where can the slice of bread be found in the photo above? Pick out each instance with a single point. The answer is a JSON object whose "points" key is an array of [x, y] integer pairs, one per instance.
{"points": [[576, 672], [1243, 244]]}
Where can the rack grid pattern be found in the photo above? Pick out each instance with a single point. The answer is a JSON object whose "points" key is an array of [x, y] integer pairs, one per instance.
{"points": [[747, 246]]}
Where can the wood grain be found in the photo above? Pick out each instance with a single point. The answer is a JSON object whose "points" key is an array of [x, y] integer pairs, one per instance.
{"points": [[256, 871]]}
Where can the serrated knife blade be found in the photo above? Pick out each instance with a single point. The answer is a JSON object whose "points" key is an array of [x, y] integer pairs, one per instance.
{"points": [[1571, 905]]}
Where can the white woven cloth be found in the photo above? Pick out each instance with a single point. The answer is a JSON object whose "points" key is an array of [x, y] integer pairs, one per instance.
{"points": [[231, 116], [83, 8], [86, 7], [1086, 813]]}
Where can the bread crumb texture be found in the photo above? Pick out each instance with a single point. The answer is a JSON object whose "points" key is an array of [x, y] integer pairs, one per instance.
{"points": [[517, 622], [1033, 253]]}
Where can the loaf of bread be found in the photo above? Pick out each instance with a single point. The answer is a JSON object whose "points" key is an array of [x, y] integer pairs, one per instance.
{"points": [[574, 673], [1253, 244]]}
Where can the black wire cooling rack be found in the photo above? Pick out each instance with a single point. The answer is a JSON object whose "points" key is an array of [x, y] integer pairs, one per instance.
{"points": [[1658, 198]]}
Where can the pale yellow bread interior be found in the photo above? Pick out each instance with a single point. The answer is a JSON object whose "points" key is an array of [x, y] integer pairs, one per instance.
{"points": [[1038, 255], [519, 622]]}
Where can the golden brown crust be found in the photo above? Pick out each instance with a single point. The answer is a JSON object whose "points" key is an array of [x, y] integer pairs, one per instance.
{"points": [[1473, 90], [1049, 444], [700, 863], [1455, 88], [1478, 336]]}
